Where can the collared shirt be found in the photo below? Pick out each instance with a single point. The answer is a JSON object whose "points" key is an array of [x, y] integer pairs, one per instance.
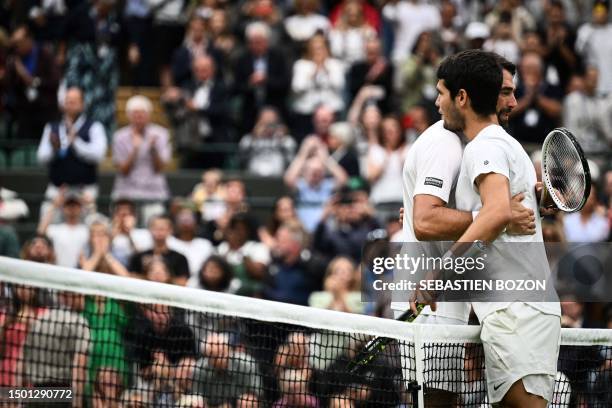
{"points": [[142, 182], [92, 151]]}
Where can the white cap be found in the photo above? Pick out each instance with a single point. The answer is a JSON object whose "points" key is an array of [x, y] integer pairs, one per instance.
{"points": [[476, 29]]}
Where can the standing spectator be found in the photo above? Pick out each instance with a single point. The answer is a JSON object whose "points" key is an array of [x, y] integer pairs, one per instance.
{"points": [[268, 149], [69, 237], [385, 163], [250, 259], [589, 116], [409, 18], [32, 79], [92, 35], [283, 211], [373, 70], [196, 44], [307, 177], [137, 23], [261, 76], [161, 229], [57, 348], [520, 18], [221, 35], [97, 255], [195, 249], [267, 12], [208, 196], [502, 41], [317, 79], [169, 20], [341, 145], [199, 114], [370, 13], [306, 22], [588, 225], [538, 108], [126, 238], [72, 148], [451, 32], [350, 33], [141, 150], [296, 272], [594, 45], [322, 119]]}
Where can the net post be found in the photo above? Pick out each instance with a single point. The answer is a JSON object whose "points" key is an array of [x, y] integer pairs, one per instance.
{"points": [[419, 358]]}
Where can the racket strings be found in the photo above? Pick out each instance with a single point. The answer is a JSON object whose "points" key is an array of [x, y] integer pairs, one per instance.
{"points": [[565, 172]]}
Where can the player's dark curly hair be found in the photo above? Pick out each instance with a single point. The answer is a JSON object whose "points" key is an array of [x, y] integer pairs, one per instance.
{"points": [[477, 72]]}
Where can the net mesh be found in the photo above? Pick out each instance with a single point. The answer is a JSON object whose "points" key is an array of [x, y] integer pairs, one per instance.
{"points": [[129, 343], [564, 171]]}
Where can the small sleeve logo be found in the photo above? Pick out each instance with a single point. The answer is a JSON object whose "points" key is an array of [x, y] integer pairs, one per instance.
{"points": [[433, 181], [486, 162]]}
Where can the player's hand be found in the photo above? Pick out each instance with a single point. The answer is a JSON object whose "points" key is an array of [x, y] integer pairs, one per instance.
{"points": [[401, 216], [546, 209], [423, 296], [523, 218]]}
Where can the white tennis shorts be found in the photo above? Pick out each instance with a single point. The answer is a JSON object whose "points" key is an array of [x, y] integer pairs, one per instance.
{"points": [[443, 364], [520, 342]]}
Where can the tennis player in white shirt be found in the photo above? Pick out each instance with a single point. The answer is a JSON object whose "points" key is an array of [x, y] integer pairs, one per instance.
{"points": [[520, 339], [428, 180]]}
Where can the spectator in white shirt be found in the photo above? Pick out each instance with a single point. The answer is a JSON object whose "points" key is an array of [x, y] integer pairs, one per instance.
{"points": [[72, 148], [317, 79], [69, 237], [126, 238], [196, 250], [348, 38], [588, 225], [305, 22]]}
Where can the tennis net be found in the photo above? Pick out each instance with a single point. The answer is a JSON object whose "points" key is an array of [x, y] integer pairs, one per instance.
{"points": [[124, 342]]}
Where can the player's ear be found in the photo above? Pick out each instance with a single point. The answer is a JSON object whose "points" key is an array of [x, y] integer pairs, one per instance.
{"points": [[461, 98]]}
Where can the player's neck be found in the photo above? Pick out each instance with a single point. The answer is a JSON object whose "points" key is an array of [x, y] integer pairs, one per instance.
{"points": [[474, 124]]}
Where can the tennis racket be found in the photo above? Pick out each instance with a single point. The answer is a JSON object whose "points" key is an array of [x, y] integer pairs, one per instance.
{"points": [[378, 344], [565, 172]]}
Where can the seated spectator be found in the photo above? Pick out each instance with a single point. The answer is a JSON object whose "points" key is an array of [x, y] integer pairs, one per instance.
{"points": [[385, 163], [344, 228], [375, 70], [283, 211], [317, 79], [267, 12], [293, 385], [351, 31], [161, 228], [261, 76], [108, 385], [72, 148], [141, 150], [126, 238], [322, 119], [306, 22], [249, 259], [184, 241], [61, 363], [24, 307], [223, 374], [97, 255], [221, 34], [69, 237], [38, 249], [418, 73], [538, 108], [451, 30], [156, 270], [366, 116], [156, 340], [589, 224], [295, 271], [341, 288], [32, 78], [234, 202], [268, 149], [208, 195], [341, 143], [216, 275], [589, 116], [307, 177], [199, 114], [197, 44]]}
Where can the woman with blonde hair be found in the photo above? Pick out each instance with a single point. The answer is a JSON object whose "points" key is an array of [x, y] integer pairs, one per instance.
{"points": [[341, 286]]}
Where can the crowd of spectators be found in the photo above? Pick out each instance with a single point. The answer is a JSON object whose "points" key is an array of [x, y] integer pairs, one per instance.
{"points": [[327, 96]]}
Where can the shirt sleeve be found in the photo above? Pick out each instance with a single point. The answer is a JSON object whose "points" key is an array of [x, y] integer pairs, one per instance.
{"points": [[485, 158], [163, 145], [94, 150], [437, 170], [45, 150]]}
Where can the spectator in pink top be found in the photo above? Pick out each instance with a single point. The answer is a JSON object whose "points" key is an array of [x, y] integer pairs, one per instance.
{"points": [[141, 150]]}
